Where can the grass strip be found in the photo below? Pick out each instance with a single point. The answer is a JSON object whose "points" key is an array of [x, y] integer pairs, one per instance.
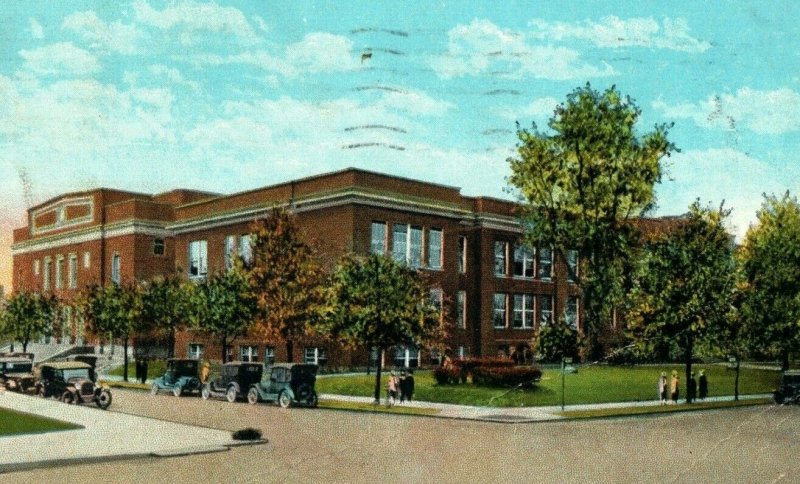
{"points": [[126, 384], [369, 407], [13, 422], [654, 409]]}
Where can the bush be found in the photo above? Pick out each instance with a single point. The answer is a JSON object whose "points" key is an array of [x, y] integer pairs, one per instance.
{"points": [[247, 434], [445, 376], [556, 341], [524, 376]]}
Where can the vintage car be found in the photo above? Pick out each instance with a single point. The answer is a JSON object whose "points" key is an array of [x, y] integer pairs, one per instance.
{"points": [[287, 384], [71, 382], [180, 377], [16, 373], [236, 379], [789, 390]]}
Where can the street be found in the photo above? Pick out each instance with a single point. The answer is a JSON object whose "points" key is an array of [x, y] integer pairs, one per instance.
{"points": [[754, 444]]}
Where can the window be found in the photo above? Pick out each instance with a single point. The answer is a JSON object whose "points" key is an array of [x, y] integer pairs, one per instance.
{"points": [[230, 251], [269, 355], [72, 271], [246, 248], [46, 276], [406, 357], [499, 310], [572, 265], [461, 309], [399, 242], [377, 243], [116, 260], [571, 312], [545, 310], [315, 355], [87, 259], [462, 352], [435, 249], [415, 247], [198, 258], [523, 262], [500, 251], [36, 267], [545, 263], [462, 255], [436, 298], [523, 311], [66, 324], [195, 351], [248, 353], [158, 246], [59, 271]]}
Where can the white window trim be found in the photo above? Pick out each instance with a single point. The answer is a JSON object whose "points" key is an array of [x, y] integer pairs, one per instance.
{"points": [[505, 258], [427, 246], [72, 271], [528, 313], [87, 259], [549, 275], [191, 354], [202, 259], [385, 242], [116, 268], [505, 310], [462, 248], [250, 352], [59, 284], [542, 311], [316, 352], [461, 309], [528, 255], [46, 276]]}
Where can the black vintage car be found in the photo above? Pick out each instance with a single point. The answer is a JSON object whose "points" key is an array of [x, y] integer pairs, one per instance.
{"points": [[234, 382], [16, 373], [789, 391], [286, 384], [71, 382], [180, 377]]}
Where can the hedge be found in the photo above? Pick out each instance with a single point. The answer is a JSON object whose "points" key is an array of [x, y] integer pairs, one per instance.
{"points": [[524, 376]]}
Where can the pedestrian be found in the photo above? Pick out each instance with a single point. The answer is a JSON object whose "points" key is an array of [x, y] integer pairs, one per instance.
{"points": [[674, 387], [205, 371], [702, 383], [691, 388], [402, 386], [144, 370], [138, 369], [662, 388], [410, 385], [392, 389]]}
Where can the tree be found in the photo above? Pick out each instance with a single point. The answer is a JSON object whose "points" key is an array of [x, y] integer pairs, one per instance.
{"points": [[224, 306], [771, 269], [165, 303], [379, 303], [113, 309], [731, 336], [556, 341], [286, 280], [581, 185], [28, 316], [684, 284]]}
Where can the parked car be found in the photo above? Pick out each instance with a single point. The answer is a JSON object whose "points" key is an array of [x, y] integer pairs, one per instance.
{"points": [[789, 389], [287, 384], [236, 379], [16, 373], [180, 377], [71, 382]]}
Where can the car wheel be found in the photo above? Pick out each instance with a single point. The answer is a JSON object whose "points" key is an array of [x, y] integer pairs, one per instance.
{"points": [[205, 392], [253, 396], [40, 392], [103, 400], [778, 397], [284, 401], [154, 389], [66, 397], [177, 390], [231, 394], [312, 400]]}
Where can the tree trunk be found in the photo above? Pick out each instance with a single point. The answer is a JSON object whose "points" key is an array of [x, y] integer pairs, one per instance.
{"points": [[25, 345], [378, 366], [289, 351], [224, 350], [171, 349], [689, 350], [736, 381], [125, 359]]}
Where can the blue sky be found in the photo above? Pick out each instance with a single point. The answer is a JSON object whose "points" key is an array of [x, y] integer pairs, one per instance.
{"points": [[150, 95]]}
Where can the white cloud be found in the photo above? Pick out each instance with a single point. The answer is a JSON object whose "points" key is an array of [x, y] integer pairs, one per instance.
{"points": [[539, 110], [762, 112], [173, 75], [37, 32], [321, 52], [482, 47], [115, 36], [613, 32], [416, 102], [190, 16], [60, 58]]}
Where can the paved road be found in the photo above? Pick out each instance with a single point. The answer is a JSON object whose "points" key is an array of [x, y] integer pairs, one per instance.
{"points": [[755, 444]]}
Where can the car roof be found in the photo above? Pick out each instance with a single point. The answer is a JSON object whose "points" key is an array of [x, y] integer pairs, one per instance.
{"points": [[66, 365], [14, 359]]}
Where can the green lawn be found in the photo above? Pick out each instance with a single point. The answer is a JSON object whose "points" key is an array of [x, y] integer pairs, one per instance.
{"points": [[155, 368], [12, 422], [592, 384]]}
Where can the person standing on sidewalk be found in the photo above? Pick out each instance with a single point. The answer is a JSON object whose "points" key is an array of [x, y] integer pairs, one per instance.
{"points": [[674, 387], [402, 386], [143, 377], [410, 385], [702, 385], [392, 389], [691, 389], [662, 388]]}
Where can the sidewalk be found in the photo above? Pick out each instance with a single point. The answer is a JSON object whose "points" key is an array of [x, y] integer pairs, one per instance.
{"points": [[522, 414]]}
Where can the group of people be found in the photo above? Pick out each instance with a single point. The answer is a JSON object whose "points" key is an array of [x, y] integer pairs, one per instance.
{"points": [[402, 387], [141, 369], [668, 393]]}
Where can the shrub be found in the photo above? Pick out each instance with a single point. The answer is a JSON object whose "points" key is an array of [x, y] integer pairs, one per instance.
{"points": [[445, 376], [524, 376], [555, 341], [247, 434]]}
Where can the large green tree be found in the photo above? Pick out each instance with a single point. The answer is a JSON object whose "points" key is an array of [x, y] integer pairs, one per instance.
{"points": [[286, 280], [582, 182], [114, 310], [684, 284], [28, 316], [771, 269], [223, 305], [165, 304], [379, 303]]}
